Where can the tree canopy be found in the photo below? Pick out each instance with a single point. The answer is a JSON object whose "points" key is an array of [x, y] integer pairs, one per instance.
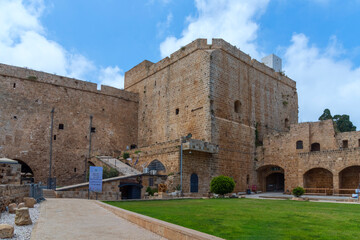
{"points": [[342, 123]]}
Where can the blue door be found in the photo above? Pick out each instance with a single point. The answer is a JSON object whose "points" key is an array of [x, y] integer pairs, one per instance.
{"points": [[194, 183]]}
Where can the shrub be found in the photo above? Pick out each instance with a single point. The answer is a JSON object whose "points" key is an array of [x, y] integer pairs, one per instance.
{"points": [[222, 185], [126, 155], [151, 191], [110, 172], [297, 192]]}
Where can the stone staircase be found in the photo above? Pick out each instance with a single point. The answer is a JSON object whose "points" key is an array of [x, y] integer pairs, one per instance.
{"points": [[49, 193], [123, 169]]}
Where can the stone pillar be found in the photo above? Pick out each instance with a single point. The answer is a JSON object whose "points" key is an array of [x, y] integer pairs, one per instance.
{"points": [[336, 183]]}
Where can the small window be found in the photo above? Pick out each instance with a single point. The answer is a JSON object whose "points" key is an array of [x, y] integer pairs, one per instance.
{"points": [[359, 142], [61, 126], [151, 182], [74, 169], [93, 129], [299, 145], [315, 147], [54, 137], [15, 117], [237, 106], [247, 179], [177, 111], [133, 146], [345, 143], [14, 85]]}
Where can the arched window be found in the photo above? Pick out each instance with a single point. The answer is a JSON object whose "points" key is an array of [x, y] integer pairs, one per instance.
{"points": [[299, 145], [237, 106], [315, 147], [287, 124], [156, 165], [194, 183]]}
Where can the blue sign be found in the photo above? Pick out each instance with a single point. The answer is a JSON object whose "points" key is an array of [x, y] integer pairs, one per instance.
{"points": [[95, 179]]}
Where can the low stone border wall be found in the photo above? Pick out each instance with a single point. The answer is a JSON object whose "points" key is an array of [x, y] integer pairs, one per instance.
{"points": [[161, 228], [105, 196], [12, 194]]}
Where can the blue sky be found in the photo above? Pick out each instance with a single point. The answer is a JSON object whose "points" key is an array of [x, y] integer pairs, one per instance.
{"points": [[97, 41]]}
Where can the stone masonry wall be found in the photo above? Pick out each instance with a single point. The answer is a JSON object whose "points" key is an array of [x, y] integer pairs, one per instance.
{"points": [[303, 167], [10, 193], [27, 99], [10, 173]]}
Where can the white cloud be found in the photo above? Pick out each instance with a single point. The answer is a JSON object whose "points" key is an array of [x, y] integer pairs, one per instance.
{"points": [[231, 20], [112, 76], [325, 79], [23, 42]]}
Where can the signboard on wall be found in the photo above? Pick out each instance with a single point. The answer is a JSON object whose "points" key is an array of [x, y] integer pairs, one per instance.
{"points": [[95, 179]]}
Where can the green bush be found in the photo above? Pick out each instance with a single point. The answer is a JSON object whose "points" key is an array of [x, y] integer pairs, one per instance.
{"points": [[297, 192], [126, 155], [110, 172], [222, 185], [151, 191]]}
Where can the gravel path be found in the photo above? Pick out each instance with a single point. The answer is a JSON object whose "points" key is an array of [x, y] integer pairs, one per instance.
{"points": [[21, 232]]}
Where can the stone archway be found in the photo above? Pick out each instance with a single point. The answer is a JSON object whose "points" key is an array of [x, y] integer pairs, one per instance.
{"points": [[271, 178], [349, 177], [27, 174], [318, 178]]}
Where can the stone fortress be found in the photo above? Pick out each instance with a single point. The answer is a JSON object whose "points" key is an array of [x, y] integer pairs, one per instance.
{"points": [[242, 116]]}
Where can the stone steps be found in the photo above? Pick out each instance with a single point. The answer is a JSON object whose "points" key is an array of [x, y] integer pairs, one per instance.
{"points": [[49, 193], [123, 169]]}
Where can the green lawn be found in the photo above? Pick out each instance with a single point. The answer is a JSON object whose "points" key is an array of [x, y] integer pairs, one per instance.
{"points": [[256, 219]]}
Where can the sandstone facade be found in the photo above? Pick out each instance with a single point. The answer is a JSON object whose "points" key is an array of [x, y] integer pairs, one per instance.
{"points": [[242, 115]]}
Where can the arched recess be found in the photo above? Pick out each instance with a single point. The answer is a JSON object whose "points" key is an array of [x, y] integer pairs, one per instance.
{"points": [[194, 183], [25, 168], [157, 165], [318, 178], [315, 147], [271, 178], [349, 177]]}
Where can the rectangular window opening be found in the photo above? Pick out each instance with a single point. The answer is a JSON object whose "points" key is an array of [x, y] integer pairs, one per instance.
{"points": [[151, 182], [14, 85], [345, 143], [177, 111], [54, 137], [74, 169], [61, 126], [93, 129]]}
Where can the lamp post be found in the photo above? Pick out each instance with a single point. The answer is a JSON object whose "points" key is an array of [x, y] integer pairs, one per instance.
{"points": [[182, 140]]}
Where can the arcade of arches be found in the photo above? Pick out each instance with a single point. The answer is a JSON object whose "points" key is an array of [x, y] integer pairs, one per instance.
{"points": [[271, 178]]}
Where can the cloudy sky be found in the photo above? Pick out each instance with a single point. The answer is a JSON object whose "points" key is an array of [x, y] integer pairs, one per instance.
{"points": [[97, 41]]}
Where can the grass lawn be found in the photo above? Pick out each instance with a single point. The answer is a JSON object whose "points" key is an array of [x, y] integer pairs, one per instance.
{"points": [[256, 219]]}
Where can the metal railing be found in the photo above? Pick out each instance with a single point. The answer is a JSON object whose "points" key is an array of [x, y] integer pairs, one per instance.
{"points": [[36, 191]]}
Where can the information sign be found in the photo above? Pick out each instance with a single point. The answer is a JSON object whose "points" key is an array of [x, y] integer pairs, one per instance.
{"points": [[95, 179]]}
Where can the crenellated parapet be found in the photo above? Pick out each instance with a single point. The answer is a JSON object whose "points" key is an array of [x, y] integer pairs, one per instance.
{"points": [[26, 74], [147, 68]]}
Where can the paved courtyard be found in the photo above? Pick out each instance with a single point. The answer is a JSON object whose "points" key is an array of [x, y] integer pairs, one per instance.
{"points": [[83, 219]]}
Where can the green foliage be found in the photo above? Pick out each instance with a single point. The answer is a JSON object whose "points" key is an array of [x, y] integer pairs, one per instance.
{"points": [[137, 151], [285, 103], [326, 115], [151, 191], [126, 155], [222, 185], [298, 191], [32, 77], [109, 172], [342, 123], [178, 187]]}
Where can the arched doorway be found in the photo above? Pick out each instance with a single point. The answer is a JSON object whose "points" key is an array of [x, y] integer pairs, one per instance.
{"points": [[194, 183], [271, 178], [27, 174], [275, 182], [130, 190], [318, 178], [349, 178]]}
